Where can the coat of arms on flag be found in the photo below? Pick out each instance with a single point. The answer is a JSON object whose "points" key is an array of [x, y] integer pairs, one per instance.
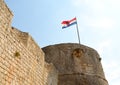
{"points": [[68, 23]]}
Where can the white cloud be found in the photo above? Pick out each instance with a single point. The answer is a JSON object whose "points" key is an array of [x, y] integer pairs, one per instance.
{"points": [[112, 70], [100, 24], [101, 47], [78, 2], [94, 13], [103, 23], [94, 4], [114, 2]]}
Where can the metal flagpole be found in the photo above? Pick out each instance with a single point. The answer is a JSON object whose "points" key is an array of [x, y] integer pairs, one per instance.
{"points": [[77, 31]]}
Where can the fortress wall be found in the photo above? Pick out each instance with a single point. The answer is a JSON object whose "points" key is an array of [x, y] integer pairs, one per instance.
{"points": [[34, 48], [21, 59], [17, 64], [5, 16], [22, 36], [28, 42]]}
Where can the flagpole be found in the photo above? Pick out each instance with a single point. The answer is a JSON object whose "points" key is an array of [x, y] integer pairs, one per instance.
{"points": [[78, 32]]}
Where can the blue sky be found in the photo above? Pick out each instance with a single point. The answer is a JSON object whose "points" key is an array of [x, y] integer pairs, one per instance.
{"points": [[98, 22]]}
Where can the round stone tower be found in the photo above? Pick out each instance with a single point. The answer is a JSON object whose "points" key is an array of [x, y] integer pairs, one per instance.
{"points": [[77, 64]]}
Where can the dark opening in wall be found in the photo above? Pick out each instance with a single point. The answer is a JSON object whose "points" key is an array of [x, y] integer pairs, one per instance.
{"points": [[17, 55]]}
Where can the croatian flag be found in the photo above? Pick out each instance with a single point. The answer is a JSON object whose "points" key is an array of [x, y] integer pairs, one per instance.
{"points": [[68, 23]]}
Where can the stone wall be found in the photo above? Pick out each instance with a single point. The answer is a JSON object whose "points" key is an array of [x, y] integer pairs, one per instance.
{"points": [[17, 64], [5, 16], [76, 64], [22, 36], [21, 59]]}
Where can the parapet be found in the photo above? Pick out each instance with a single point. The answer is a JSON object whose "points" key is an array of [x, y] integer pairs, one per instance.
{"points": [[27, 41], [22, 36]]}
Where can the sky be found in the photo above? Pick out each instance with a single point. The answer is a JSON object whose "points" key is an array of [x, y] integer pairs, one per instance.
{"points": [[98, 23]]}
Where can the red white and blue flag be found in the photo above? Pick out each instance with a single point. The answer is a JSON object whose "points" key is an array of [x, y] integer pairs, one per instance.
{"points": [[68, 23]]}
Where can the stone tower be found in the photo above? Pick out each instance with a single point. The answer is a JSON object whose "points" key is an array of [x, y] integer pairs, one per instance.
{"points": [[76, 64]]}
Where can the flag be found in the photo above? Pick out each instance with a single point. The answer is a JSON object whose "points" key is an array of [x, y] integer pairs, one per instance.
{"points": [[68, 23]]}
